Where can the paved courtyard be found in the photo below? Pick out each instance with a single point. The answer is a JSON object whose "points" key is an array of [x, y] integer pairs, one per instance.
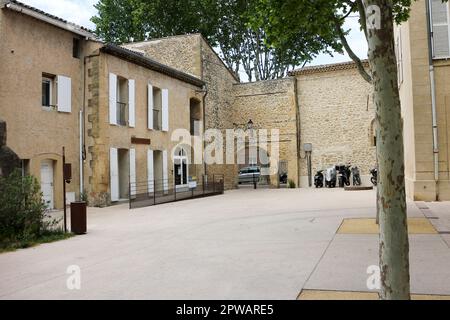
{"points": [[246, 244]]}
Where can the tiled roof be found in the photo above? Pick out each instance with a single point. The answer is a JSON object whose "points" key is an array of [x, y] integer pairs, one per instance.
{"points": [[58, 19], [327, 68]]}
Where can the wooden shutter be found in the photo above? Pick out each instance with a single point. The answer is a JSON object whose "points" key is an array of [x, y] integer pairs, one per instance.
{"points": [[114, 173], [441, 31], [131, 103], [165, 171], [150, 171], [64, 93], [150, 106], [133, 172], [165, 110], [112, 98]]}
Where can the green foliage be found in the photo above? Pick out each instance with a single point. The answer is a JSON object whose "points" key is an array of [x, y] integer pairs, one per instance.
{"points": [[23, 213], [226, 24], [291, 184]]}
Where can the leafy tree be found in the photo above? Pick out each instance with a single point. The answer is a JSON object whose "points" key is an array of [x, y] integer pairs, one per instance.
{"points": [[23, 213], [224, 23], [284, 21]]}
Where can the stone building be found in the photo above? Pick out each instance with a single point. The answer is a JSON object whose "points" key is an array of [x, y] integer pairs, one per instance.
{"points": [[112, 109], [423, 53], [312, 105], [116, 108], [41, 93]]}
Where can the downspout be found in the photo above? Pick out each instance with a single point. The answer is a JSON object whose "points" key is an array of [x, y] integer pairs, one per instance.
{"points": [[433, 98], [205, 88]]}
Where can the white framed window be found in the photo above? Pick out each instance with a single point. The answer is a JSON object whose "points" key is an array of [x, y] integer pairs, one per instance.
{"points": [[56, 93], [122, 96], [48, 90], [440, 24], [399, 57]]}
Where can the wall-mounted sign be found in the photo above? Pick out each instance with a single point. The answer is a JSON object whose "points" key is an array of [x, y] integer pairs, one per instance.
{"points": [[135, 140]]}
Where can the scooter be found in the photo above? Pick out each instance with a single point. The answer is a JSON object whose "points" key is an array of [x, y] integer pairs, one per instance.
{"points": [[374, 178], [318, 179], [356, 176], [331, 178], [344, 175], [283, 178]]}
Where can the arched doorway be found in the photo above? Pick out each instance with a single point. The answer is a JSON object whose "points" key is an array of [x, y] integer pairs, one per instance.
{"points": [[181, 167]]}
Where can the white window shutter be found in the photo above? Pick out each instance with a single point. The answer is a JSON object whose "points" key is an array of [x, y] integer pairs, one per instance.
{"points": [[165, 171], [112, 98], [441, 28], [165, 110], [131, 103], [114, 173], [150, 107], [133, 172], [64, 92], [150, 171]]}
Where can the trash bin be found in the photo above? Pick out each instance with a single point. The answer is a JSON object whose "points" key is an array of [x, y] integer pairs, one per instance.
{"points": [[78, 219]]}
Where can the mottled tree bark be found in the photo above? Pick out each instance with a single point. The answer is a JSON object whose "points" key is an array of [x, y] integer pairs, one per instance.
{"points": [[394, 246]]}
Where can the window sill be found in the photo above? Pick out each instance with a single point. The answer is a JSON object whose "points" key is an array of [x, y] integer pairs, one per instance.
{"points": [[49, 108]]}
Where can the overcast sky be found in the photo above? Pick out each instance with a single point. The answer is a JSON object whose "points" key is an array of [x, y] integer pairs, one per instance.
{"points": [[80, 12]]}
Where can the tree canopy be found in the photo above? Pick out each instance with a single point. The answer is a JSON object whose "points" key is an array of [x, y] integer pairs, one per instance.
{"points": [[226, 25]]}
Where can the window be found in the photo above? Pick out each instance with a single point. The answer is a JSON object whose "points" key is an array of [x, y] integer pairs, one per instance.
{"points": [[76, 49], [48, 91], [157, 109], [440, 17], [195, 115], [399, 56], [122, 99]]}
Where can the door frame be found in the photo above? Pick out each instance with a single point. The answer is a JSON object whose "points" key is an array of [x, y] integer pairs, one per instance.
{"points": [[51, 164], [181, 158]]}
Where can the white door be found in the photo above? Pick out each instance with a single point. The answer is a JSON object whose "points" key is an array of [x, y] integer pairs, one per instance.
{"points": [[114, 174], [47, 183]]}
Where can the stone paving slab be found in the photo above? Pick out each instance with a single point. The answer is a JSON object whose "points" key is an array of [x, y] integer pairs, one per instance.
{"points": [[349, 295], [369, 226], [345, 263]]}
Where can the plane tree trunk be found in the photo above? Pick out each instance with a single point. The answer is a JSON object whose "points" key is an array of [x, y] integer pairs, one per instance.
{"points": [[394, 246]]}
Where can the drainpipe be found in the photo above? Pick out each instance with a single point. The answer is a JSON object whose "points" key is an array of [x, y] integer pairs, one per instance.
{"points": [[205, 89], [433, 98], [81, 153]]}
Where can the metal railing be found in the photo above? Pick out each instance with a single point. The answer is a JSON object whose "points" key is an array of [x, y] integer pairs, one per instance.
{"points": [[122, 113], [154, 192], [157, 119]]}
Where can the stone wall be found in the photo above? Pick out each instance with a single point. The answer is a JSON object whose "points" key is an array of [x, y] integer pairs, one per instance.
{"points": [[270, 105], [179, 52], [337, 117]]}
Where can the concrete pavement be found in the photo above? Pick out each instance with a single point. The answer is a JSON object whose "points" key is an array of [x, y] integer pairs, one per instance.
{"points": [[246, 244]]}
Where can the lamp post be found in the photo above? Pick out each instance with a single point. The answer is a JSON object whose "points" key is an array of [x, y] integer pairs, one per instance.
{"points": [[308, 151]]}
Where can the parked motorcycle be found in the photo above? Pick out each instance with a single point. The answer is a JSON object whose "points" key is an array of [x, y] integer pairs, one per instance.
{"points": [[344, 175], [318, 179], [356, 176], [283, 178], [374, 178], [331, 178]]}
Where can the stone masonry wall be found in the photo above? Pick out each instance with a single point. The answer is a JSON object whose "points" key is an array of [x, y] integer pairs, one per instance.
{"points": [[337, 114], [270, 105]]}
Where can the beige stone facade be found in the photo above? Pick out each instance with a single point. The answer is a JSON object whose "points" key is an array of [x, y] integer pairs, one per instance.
{"points": [[30, 50], [102, 135], [336, 119], [416, 97]]}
